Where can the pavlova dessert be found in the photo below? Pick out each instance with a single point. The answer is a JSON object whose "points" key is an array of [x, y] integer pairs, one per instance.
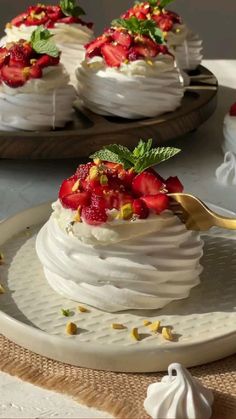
{"points": [[34, 88], [112, 241], [64, 21], [129, 72], [181, 41]]}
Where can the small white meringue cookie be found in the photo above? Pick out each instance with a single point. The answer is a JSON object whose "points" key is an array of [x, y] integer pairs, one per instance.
{"points": [[178, 396], [226, 172]]}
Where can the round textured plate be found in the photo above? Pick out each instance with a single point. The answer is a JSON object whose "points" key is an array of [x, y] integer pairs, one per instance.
{"points": [[89, 132], [30, 311]]}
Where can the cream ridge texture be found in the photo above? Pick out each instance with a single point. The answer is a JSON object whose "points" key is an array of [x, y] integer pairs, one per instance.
{"points": [[120, 265], [69, 38], [139, 89], [186, 46], [40, 104]]}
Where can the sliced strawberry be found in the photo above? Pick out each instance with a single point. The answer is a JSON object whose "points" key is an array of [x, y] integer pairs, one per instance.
{"points": [[146, 184], [93, 215], [66, 186], [76, 200], [18, 20], [127, 177], [232, 111], [173, 185], [82, 171], [18, 58], [146, 48], [47, 60], [35, 72], [54, 13], [68, 20], [140, 209], [122, 38], [98, 201], [153, 171], [166, 24], [4, 56], [114, 55], [139, 15], [144, 8], [116, 167], [93, 49], [135, 54], [13, 76], [157, 203]]}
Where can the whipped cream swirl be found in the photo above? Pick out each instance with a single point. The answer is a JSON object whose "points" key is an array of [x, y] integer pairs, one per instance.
{"points": [[136, 90], [70, 39], [226, 172], [186, 47], [144, 264], [178, 396], [40, 104]]}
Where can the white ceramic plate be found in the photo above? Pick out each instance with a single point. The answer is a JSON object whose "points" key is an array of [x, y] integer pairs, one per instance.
{"points": [[30, 311]]}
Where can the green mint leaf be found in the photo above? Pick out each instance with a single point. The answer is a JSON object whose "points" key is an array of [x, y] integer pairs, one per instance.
{"points": [[106, 155], [42, 43], [66, 312], [153, 157], [122, 152], [142, 148], [70, 8], [140, 27], [164, 3]]}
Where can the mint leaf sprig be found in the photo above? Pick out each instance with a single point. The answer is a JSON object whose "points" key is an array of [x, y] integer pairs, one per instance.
{"points": [[42, 43], [140, 159], [140, 27], [70, 8]]}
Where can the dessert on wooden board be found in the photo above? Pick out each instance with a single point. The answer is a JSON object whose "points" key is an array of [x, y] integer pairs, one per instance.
{"points": [[181, 40], [35, 93], [65, 20], [129, 72]]}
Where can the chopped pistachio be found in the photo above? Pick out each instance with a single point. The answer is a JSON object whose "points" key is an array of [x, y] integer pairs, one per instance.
{"points": [[118, 326], [155, 326], [76, 186], [103, 180], [77, 217], [146, 323], [83, 309], [149, 62], [126, 211], [135, 334], [66, 312], [71, 328], [93, 173], [2, 289], [167, 334], [97, 162]]}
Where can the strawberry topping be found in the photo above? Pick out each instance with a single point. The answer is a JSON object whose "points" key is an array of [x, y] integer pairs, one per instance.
{"points": [[19, 62], [93, 215], [157, 203], [173, 185], [104, 191], [114, 55], [146, 184], [50, 15]]}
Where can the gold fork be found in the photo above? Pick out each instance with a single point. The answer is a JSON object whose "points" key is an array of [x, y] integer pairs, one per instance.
{"points": [[196, 215]]}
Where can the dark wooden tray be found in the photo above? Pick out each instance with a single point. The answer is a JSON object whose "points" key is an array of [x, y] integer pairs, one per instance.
{"points": [[89, 132]]}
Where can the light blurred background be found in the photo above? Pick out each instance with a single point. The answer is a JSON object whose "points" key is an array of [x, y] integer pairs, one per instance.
{"points": [[214, 20]]}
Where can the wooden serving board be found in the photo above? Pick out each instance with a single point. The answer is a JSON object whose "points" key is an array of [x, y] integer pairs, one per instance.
{"points": [[89, 132]]}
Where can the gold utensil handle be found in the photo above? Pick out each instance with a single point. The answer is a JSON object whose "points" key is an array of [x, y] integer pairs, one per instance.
{"points": [[227, 223]]}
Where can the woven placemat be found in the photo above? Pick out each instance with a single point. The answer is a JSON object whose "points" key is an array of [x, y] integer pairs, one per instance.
{"points": [[120, 394]]}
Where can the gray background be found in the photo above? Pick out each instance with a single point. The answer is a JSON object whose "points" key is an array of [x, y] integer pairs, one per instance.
{"points": [[214, 20]]}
